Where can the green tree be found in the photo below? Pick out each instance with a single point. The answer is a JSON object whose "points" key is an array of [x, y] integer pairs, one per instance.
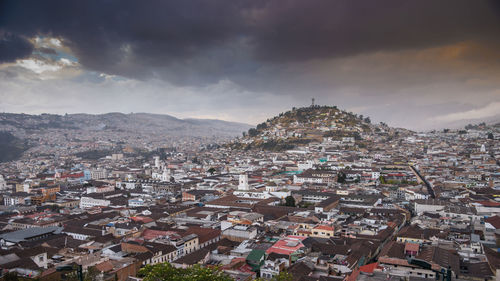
{"points": [[252, 132], [341, 177], [490, 136], [382, 180], [167, 272], [357, 180], [290, 201], [211, 170], [262, 126]]}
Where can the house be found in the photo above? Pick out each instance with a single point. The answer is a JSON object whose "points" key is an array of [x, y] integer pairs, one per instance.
{"points": [[290, 246], [273, 265], [17, 198], [28, 234], [256, 259], [150, 252], [198, 195]]}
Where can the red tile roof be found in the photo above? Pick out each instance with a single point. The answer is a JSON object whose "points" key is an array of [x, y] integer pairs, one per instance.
{"points": [[287, 246], [324, 227], [412, 247], [495, 221]]}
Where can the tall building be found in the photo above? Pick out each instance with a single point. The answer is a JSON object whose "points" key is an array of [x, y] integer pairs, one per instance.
{"points": [[157, 162], [165, 176], [3, 183], [243, 185]]}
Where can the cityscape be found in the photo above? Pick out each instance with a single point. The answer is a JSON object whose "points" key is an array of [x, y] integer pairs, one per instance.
{"points": [[249, 140]]}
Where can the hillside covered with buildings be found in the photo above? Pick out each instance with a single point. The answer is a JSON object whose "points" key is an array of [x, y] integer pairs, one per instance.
{"points": [[317, 192]]}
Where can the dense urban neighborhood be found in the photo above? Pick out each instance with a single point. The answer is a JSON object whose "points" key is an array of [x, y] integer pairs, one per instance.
{"points": [[316, 192]]}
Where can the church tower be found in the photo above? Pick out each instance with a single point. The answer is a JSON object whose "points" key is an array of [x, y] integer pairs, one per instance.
{"points": [[243, 182]]}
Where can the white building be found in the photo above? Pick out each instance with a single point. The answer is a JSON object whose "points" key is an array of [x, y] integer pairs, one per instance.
{"points": [[97, 174], [243, 185], [157, 162], [117, 156], [136, 202], [18, 198], [165, 176], [429, 206], [3, 183], [305, 165], [89, 202], [100, 189]]}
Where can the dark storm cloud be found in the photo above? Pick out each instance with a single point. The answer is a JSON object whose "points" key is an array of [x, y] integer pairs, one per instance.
{"points": [[196, 41], [297, 30], [13, 47]]}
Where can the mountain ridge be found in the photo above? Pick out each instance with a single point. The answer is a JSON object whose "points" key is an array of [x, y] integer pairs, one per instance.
{"points": [[121, 121]]}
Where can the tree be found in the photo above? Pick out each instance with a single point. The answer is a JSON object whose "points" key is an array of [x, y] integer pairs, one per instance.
{"points": [[253, 132], [490, 136], [262, 126], [211, 170], [382, 179], [341, 177], [290, 201], [167, 272], [367, 120]]}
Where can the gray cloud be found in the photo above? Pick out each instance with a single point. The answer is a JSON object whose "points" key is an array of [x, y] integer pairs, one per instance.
{"points": [[391, 59], [140, 39], [13, 46]]}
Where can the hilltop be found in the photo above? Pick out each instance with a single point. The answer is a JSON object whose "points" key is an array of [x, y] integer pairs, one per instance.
{"points": [[301, 126]]}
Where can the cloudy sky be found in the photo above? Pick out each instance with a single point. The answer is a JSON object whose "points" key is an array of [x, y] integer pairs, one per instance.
{"points": [[417, 64]]}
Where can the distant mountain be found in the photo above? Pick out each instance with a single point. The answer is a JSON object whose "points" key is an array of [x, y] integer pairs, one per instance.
{"points": [[460, 124], [141, 123], [51, 134], [301, 126]]}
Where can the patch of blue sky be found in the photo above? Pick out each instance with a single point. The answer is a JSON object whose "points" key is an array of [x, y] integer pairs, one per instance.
{"points": [[56, 56]]}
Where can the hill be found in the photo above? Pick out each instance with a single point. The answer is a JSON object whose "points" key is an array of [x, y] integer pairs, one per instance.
{"points": [[142, 123], [301, 126], [51, 134]]}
